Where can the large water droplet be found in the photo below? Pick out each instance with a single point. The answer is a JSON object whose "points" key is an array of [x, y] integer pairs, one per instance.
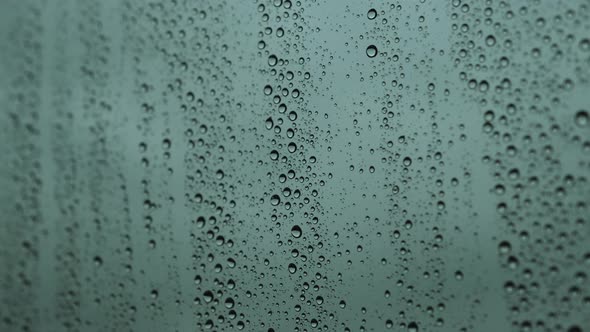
{"points": [[274, 155], [268, 124], [371, 51], [407, 161], [296, 231], [504, 247], [275, 200], [490, 40], [267, 90], [582, 118], [229, 303]]}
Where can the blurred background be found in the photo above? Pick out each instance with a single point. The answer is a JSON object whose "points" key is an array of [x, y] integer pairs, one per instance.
{"points": [[283, 165]]}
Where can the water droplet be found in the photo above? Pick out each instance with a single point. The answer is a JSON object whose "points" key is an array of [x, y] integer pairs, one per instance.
{"points": [[371, 14], [574, 328], [275, 200], [154, 294], [582, 118], [296, 231], [514, 174], [229, 303], [490, 40], [407, 161], [267, 90], [290, 133], [371, 51], [408, 224], [272, 60], [287, 192], [97, 261], [504, 247], [274, 155], [208, 296], [292, 268], [268, 123]]}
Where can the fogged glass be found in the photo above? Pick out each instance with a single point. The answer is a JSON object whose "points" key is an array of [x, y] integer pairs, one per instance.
{"points": [[290, 165]]}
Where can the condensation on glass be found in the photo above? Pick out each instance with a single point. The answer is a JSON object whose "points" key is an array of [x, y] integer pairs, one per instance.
{"points": [[289, 165]]}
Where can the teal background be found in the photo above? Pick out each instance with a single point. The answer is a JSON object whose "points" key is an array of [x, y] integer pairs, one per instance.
{"points": [[138, 181]]}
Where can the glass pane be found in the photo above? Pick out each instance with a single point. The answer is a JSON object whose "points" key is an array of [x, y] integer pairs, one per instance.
{"points": [[285, 165]]}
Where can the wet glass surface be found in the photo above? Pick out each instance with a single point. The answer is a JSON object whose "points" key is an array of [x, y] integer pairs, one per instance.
{"points": [[286, 165]]}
